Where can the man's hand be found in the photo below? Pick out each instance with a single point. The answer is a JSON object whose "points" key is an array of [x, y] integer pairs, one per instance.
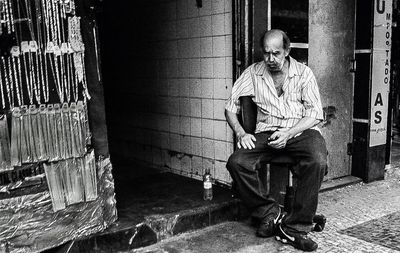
{"points": [[246, 141], [279, 139]]}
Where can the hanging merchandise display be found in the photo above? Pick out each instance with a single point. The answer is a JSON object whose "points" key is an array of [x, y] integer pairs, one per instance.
{"points": [[72, 181], [52, 188], [43, 89]]}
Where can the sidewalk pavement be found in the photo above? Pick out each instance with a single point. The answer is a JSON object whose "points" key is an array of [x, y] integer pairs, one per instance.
{"points": [[360, 218]]}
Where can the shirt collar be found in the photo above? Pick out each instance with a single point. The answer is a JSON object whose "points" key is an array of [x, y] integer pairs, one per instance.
{"points": [[261, 68]]}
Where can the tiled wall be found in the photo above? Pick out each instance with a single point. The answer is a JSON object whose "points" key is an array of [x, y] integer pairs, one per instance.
{"points": [[189, 77]]}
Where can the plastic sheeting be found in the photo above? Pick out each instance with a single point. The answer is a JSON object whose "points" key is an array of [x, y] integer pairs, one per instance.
{"points": [[29, 224]]}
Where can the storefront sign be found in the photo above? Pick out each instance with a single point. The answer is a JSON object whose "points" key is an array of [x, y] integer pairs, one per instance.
{"points": [[382, 40]]}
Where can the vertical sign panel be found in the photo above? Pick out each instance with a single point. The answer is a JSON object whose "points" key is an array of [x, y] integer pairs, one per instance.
{"points": [[380, 71]]}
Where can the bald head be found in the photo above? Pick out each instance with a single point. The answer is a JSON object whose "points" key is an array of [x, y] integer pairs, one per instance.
{"points": [[275, 48], [274, 34]]}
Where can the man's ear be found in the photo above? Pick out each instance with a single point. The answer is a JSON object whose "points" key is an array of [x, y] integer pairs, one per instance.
{"points": [[287, 52]]}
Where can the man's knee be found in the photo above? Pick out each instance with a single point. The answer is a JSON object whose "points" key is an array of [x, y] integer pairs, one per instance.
{"points": [[319, 162], [235, 161]]}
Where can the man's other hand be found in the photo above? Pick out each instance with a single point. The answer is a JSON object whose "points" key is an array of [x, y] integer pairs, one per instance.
{"points": [[278, 139], [246, 141]]}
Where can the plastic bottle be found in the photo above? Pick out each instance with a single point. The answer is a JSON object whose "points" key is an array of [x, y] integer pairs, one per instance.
{"points": [[207, 186]]}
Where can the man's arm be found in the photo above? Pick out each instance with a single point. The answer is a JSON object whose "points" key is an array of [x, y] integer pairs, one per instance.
{"points": [[244, 139]]}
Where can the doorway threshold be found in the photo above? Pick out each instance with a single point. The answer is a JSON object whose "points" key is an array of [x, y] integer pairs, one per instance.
{"points": [[339, 183]]}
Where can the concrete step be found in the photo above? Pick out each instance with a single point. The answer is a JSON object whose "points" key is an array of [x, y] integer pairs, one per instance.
{"points": [[158, 207]]}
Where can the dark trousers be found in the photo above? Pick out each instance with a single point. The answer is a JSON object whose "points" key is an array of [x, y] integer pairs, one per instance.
{"points": [[310, 153]]}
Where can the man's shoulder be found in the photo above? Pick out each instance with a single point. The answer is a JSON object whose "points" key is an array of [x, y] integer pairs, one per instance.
{"points": [[256, 67], [300, 67]]}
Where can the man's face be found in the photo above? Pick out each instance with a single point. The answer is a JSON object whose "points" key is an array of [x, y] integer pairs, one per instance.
{"points": [[274, 53]]}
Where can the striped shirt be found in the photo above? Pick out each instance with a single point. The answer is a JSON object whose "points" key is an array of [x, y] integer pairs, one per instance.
{"points": [[300, 96]]}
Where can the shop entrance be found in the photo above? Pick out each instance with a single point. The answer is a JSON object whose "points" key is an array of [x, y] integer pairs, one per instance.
{"points": [[322, 38]]}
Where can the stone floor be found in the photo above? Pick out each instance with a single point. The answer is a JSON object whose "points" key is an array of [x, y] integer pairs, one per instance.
{"points": [[357, 215]]}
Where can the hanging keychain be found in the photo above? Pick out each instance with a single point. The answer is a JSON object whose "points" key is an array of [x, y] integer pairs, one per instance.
{"points": [[25, 135], [56, 188], [51, 134], [5, 156], [59, 140], [75, 129], [66, 130], [15, 54], [42, 133], [16, 137], [34, 137], [90, 178]]}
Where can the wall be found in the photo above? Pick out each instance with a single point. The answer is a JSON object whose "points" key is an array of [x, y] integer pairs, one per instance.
{"points": [[331, 48], [167, 84]]}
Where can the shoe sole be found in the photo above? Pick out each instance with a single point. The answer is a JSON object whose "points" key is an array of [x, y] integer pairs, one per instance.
{"points": [[291, 243]]}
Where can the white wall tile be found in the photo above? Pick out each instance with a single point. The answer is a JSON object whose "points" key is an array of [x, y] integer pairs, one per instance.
{"points": [[218, 24], [195, 88], [184, 87], [172, 49], [184, 106], [218, 6], [182, 29], [164, 140], [207, 67], [195, 107], [219, 109], [220, 150], [221, 171], [182, 9], [184, 48], [229, 133], [185, 125], [228, 45], [228, 5], [207, 128], [194, 45], [197, 146], [174, 124], [166, 158], [175, 142], [208, 148], [206, 26], [195, 127], [197, 165], [183, 68], [172, 68], [229, 149], [228, 67], [228, 23], [194, 27], [206, 47], [207, 88], [219, 89], [219, 130], [173, 106], [219, 46], [186, 164], [185, 144], [193, 11], [219, 67], [175, 163], [206, 8], [194, 67], [173, 87], [207, 108]]}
